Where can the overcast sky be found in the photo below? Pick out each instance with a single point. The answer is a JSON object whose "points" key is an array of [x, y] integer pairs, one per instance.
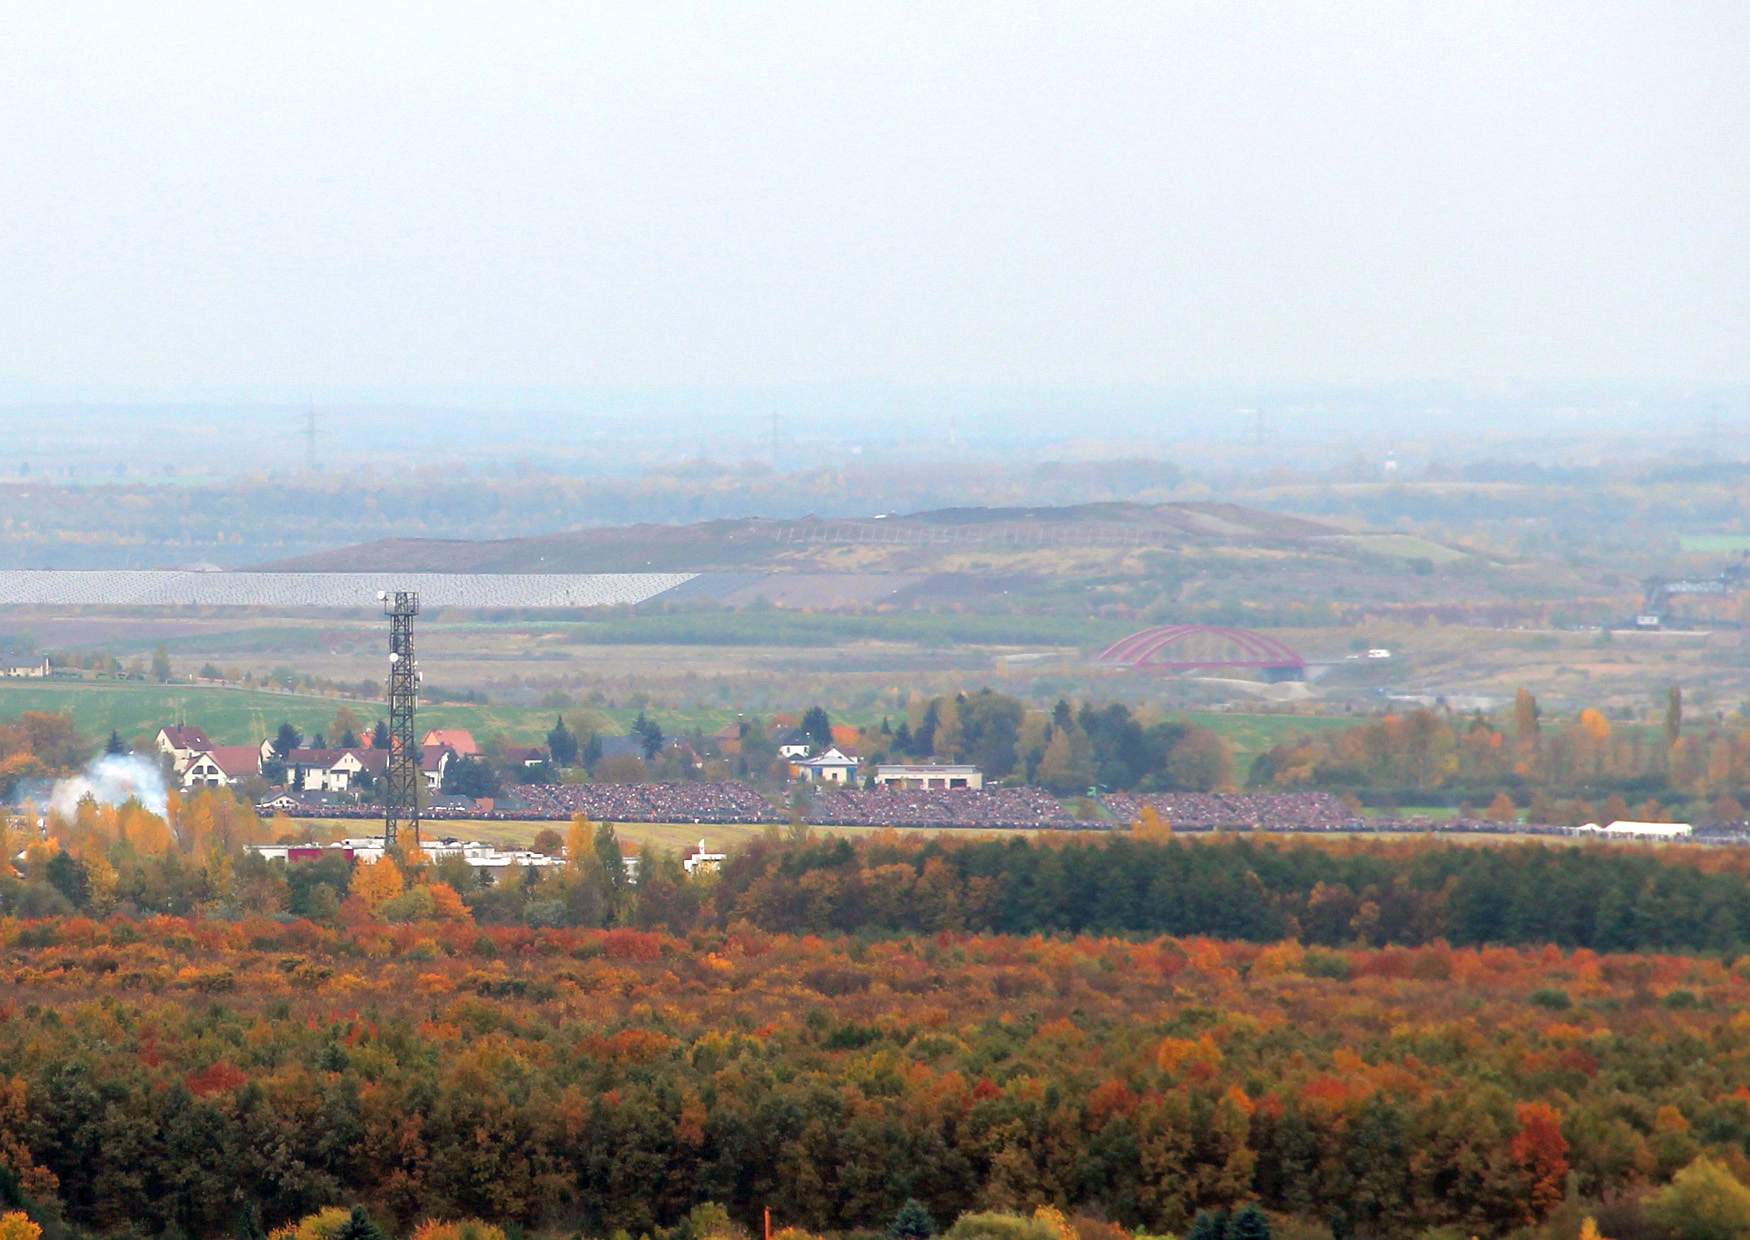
{"points": [[498, 202]]}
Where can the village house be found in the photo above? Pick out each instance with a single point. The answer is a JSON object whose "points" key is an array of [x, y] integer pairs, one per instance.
{"points": [[181, 742], [333, 770], [832, 767], [459, 740], [222, 766]]}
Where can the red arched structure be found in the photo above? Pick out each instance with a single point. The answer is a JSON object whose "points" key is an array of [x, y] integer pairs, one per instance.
{"points": [[1155, 648]]}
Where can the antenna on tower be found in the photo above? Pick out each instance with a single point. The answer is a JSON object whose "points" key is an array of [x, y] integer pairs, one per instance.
{"points": [[401, 781]]}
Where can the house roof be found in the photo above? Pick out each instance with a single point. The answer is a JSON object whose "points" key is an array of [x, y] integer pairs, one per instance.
{"points": [[237, 761], [525, 753], [431, 757], [832, 757], [459, 739], [186, 736], [370, 759]]}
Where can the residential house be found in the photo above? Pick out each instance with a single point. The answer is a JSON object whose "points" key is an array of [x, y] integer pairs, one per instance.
{"points": [[333, 770], [181, 742], [222, 766], [459, 739], [434, 760], [832, 767]]}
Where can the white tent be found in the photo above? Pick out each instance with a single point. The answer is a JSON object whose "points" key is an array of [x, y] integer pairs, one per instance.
{"points": [[1650, 830]]}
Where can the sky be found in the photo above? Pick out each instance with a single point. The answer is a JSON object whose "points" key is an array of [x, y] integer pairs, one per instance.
{"points": [[532, 203]]}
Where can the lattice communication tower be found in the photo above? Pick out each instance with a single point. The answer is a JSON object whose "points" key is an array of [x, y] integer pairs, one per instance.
{"points": [[401, 790]]}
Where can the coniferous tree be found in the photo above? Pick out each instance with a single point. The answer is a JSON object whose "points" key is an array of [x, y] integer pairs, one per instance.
{"points": [[359, 1227], [1208, 1225], [912, 1222], [287, 739], [1251, 1223], [562, 744]]}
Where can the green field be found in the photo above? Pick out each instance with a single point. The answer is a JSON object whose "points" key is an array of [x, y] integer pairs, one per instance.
{"points": [[1715, 544], [238, 716]]}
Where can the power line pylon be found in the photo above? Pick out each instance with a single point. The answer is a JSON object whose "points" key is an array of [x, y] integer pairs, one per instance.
{"points": [[401, 791]]}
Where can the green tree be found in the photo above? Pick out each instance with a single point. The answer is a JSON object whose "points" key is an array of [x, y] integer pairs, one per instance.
{"points": [[286, 739], [562, 744], [912, 1222], [114, 744], [1673, 715], [161, 664], [817, 726], [1250, 1223], [1209, 1225], [1704, 1201], [359, 1227]]}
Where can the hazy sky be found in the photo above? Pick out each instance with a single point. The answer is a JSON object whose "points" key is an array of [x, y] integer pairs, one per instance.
{"points": [[504, 202]]}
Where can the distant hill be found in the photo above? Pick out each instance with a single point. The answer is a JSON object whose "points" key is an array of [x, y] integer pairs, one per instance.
{"points": [[910, 543]]}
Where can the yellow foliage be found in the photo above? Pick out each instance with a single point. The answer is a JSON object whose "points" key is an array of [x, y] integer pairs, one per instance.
{"points": [[1177, 1054], [1151, 824], [1279, 958], [323, 1225], [462, 1229], [17, 1226], [376, 883], [1054, 1219], [579, 843]]}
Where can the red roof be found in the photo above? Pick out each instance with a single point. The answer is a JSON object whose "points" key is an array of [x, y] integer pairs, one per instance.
{"points": [[237, 761], [186, 736], [459, 739]]}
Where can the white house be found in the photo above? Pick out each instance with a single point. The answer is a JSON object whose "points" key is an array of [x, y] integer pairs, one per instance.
{"points": [[831, 767], [333, 770], [180, 742], [222, 766], [434, 760], [796, 748], [26, 671]]}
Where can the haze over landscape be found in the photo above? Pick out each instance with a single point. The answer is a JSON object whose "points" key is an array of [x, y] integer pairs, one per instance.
{"points": [[985, 621]]}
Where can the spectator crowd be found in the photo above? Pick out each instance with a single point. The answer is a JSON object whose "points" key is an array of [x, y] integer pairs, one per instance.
{"points": [[693, 801], [1239, 811], [959, 807]]}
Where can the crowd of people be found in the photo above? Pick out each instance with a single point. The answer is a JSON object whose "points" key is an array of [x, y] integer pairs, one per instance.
{"points": [[1239, 811], [694, 801], [958, 807]]}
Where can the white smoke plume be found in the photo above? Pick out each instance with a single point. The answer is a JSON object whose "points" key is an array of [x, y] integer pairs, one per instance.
{"points": [[112, 779]]}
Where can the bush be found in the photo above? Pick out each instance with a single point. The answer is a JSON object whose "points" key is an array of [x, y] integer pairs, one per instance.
{"points": [[461, 1229], [1704, 1201], [995, 1226]]}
